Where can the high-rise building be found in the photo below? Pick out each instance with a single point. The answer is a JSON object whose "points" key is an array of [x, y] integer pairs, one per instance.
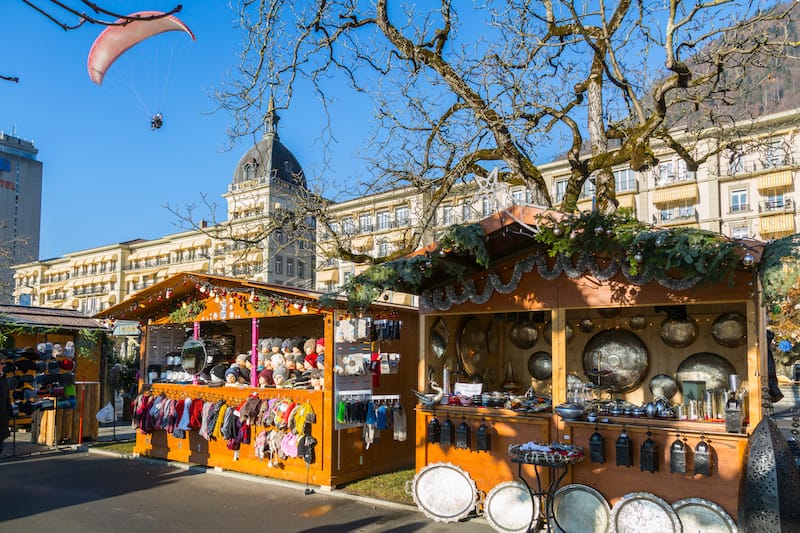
{"points": [[20, 208]]}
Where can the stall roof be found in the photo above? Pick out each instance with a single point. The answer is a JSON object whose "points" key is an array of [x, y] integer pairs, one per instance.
{"points": [[146, 301], [43, 317], [509, 235]]}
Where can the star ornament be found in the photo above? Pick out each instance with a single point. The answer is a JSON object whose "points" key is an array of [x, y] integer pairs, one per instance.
{"points": [[488, 187]]}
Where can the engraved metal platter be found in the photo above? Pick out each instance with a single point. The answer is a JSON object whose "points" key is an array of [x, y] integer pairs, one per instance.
{"points": [[729, 330], [547, 332], [642, 511], [444, 492], [706, 366], [678, 332], [523, 334], [509, 508], [438, 338], [473, 350], [540, 365], [616, 359], [698, 514], [580, 508], [663, 386]]}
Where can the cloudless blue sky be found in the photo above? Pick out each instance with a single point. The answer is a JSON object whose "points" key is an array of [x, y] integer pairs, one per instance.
{"points": [[106, 175]]}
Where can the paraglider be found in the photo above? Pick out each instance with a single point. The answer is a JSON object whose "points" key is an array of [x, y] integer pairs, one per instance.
{"points": [[123, 35], [117, 39]]}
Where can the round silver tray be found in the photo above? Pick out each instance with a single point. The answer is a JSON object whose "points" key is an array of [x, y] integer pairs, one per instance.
{"points": [[706, 366], [616, 359], [730, 330], [540, 365], [472, 347], [444, 492], [580, 508], [509, 508], [642, 511], [698, 514]]}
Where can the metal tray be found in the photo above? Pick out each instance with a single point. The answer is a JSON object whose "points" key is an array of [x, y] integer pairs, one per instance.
{"points": [[642, 511], [698, 514], [444, 492], [706, 366], [580, 508], [509, 508], [472, 347], [616, 359]]}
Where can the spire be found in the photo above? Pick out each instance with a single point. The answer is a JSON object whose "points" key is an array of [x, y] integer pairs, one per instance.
{"points": [[271, 119]]}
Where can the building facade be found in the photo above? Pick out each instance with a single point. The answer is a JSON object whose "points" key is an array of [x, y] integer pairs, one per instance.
{"points": [[748, 191], [20, 208]]}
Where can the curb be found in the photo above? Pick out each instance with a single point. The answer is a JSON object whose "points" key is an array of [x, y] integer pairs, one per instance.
{"points": [[250, 478]]}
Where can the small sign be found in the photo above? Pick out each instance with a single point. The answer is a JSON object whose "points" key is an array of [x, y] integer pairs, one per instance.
{"points": [[468, 389]]}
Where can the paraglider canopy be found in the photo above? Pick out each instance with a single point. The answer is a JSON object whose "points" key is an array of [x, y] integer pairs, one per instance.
{"points": [[116, 39]]}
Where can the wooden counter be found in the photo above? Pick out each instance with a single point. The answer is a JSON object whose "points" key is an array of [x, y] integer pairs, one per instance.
{"points": [[613, 481], [487, 469]]}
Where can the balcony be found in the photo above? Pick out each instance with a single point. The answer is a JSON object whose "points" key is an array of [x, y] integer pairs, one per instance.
{"points": [[782, 205], [668, 180], [739, 208]]}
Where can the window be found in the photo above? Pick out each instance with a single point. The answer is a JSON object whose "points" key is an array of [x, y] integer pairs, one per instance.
{"points": [[740, 232], [735, 163], [774, 201], [465, 212], [561, 190], [665, 173], [301, 269], [365, 223], [401, 216], [383, 248], [625, 180], [383, 220], [348, 227], [334, 229], [739, 201], [588, 189], [528, 196], [279, 236], [289, 266], [447, 215], [278, 264], [774, 154], [516, 197], [486, 207]]}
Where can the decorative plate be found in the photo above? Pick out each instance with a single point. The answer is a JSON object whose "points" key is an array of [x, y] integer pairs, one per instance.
{"points": [[509, 508], [706, 366], [580, 508], [523, 334], [678, 332], [438, 338], [616, 359], [663, 386], [472, 347], [698, 514], [642, 511], [729, 330], [540, 365], [444, 492]]}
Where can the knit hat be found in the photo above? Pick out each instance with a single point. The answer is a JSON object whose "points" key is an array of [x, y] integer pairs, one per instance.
{"points": [[298, 343], [274, 342], [321, 341], [280, 371], [218, 372], [309, 345], [242, 358], [286, 345], [277, 360], [266, 375], [299, 358]]}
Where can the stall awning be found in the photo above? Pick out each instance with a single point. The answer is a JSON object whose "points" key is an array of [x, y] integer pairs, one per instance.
{"points": [[777, 224], [325, 276], [627, 201], [776, 180], [676, 194]]}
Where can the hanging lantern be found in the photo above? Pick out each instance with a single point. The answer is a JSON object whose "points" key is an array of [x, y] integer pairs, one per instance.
{"points": [[648, 459], [463, 436], [447, 433], [434, 430], [482, 439], [677, 456], [624, 449], [702, 458], [597, 452]]}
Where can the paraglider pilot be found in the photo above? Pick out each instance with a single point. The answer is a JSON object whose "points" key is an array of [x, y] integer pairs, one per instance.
{"points": [[156, 122]]}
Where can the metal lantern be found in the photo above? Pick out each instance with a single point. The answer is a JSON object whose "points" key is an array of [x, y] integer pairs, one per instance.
{"points": [[677, 456], [482, 439], [447, 433], [597, 452], [624, 449], [648, 459], [702, 458], [434, 430], [463, 436]]}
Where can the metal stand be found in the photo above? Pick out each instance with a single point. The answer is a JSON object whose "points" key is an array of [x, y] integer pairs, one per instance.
{"points": [[545, 496]]}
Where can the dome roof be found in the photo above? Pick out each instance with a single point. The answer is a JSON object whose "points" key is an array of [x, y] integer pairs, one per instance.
{"points": [[269, 157]]}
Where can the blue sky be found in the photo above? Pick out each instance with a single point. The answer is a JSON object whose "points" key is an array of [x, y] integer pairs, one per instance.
{"points": [[106, 175]]}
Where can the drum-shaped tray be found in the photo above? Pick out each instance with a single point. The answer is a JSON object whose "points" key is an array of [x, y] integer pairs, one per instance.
{"points": [[642, 511], [698, 514], [509, 508], [580, 508], [444, 492]]}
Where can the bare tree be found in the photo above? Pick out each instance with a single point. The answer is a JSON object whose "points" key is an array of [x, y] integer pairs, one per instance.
{"points": [[463, 87], [68, 18]]}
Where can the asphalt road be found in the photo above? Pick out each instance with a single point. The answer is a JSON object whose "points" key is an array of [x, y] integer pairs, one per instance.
{"points": [[87, 492]]}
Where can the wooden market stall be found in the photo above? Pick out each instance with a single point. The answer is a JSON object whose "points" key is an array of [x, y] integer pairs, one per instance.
{"points": [[235, 317], [532, 328], [52, 360]]}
